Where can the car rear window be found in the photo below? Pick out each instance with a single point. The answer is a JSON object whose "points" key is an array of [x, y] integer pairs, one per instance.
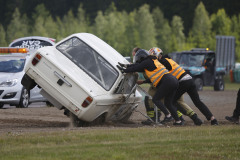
{"points": [[89, 61]]}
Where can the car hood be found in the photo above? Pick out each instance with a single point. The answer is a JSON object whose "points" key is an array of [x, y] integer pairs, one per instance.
{"points": [[9, 76], [194, 71]]}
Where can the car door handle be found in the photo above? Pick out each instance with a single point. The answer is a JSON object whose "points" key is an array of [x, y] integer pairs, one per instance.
{"points": [[62, 79]]}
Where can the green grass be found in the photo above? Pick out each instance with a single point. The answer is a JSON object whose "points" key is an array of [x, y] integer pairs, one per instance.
{"points": [[229, 85], [180, 143]]}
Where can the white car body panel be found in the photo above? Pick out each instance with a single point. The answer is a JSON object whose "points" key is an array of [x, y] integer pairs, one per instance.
{"points": [[79, 84]]}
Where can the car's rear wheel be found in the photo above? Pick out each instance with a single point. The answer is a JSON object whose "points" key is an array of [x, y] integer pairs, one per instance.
{"points": [[76, 122], [199, 84], [219, 85], [24, 99], [1, 105]]}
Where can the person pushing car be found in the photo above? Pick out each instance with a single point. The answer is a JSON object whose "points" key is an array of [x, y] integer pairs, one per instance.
{"points": [[186, 84], [159, 76]]}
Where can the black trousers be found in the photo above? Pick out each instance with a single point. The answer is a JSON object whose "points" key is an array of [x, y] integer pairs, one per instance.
{"points": [[190, 87], [236, 112], [166, 89]]}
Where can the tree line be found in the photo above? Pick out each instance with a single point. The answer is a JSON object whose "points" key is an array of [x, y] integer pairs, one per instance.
{"points": [[123, 30]]}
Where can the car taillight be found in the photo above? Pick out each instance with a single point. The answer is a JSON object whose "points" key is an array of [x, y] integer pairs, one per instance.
{"points": [[36, 59], [87, 101]]}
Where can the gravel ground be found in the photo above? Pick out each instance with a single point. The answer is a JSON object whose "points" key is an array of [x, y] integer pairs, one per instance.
{"points": [[42, 118]]}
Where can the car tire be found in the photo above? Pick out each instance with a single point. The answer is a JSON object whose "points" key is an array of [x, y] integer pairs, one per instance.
{"points": [[1, 105], [28, 82], [199, 84], [126, 118], [219, 85], [24, 99], [49, 104], [76, 122]]}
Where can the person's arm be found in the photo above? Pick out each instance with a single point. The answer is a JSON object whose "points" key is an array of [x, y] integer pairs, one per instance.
{"points": [[139, 67], [147, 81], [166, 64]]}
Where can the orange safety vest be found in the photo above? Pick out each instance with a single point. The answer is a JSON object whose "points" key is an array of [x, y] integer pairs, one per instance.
{"points": [[156, 75], [176, 71]]}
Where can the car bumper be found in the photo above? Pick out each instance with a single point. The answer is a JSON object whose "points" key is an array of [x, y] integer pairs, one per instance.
{"points": [[10, 95]]}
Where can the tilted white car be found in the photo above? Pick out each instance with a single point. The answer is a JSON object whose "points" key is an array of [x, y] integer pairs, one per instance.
{"points": [[79, 74]]}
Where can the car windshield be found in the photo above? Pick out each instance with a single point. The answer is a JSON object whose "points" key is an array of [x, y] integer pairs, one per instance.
{"points": [[10, 65], [190, 60], [89, 61]]}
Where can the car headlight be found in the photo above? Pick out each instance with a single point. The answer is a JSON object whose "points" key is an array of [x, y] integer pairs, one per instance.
{"points": [[9, 83]]}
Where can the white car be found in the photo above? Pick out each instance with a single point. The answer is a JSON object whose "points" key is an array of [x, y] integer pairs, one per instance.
{"points": [[12, 70], [79, 75]]}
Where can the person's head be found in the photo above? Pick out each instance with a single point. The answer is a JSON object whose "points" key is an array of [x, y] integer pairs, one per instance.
{"points": [[139, 55], [134, 51], [156, 52]]}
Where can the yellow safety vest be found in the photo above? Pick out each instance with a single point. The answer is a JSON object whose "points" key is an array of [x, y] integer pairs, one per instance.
{"points": [[176, 71], [156, 75]]}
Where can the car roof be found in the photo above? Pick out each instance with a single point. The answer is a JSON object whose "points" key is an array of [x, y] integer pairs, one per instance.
{"points": [[13, 56], [197, 51], [50, 40]]}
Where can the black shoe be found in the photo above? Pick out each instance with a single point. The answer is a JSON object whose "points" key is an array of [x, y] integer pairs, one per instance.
{"points": [[147, 122], [182, 119], [196, 120], [232, 119], [214, 122], [167, 119], [178, 124]]}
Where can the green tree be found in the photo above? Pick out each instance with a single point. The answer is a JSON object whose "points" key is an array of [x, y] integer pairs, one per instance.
{"points": [[51, 27], [131, 33], [39, 17], [115, 28], [146, 28], [99, 25], [163, 30], [221, 23], [61, 29], [18, 26], [70, 24], [2, 36], [178, 37], [82, 20], [235, 30], [201, 29]]}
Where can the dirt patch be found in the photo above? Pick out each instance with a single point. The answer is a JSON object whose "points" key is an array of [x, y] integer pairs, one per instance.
{"points": [[36, 119]]}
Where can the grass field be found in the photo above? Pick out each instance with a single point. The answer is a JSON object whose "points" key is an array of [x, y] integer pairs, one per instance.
{"points": [[108, 143], [180, 143]]}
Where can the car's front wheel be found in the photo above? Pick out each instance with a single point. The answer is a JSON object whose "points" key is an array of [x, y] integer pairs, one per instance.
{"points": [[24, 99]]}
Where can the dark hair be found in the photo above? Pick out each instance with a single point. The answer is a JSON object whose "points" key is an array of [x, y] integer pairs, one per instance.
{"points": [[141, 54], [135, 49]]}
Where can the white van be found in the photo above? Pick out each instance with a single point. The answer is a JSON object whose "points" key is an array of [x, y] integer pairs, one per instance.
{"points": [[79, 74]]}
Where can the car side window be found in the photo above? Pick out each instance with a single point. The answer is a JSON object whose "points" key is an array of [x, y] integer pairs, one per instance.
{"points": [[89, 61]]}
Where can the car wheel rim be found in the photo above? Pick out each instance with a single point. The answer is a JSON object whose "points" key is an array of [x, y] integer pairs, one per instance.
{"points": [[25, 97]]}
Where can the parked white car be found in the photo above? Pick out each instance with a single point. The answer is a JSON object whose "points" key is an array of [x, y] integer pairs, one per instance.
{"points": [[79, 75], [12, 70]]}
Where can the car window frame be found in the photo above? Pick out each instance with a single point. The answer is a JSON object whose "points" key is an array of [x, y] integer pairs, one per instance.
{"points": [[94, 77]]}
